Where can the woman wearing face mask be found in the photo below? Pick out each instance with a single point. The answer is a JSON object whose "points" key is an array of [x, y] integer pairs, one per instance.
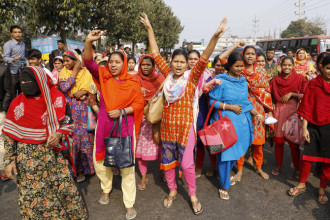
{"points": [[118, 90], [260, 96], [131, 62], [302, 65], [315, 111], [178, 125], [58, 66], [232, 98], [146, 148], [76, 83], [38, 131], [287, 89]]}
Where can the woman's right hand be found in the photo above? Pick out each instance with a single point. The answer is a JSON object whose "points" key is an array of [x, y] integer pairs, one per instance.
{"points": [[145, 21], [236, 108], [10, 168], [305, 134], [239, 44], [94, 35]]}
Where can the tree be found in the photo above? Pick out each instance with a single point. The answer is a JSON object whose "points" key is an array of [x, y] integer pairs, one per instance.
{"points": [[302, 28]]}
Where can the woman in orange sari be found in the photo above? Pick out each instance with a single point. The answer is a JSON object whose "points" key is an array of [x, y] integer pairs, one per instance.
{"points": [[260, 96]]}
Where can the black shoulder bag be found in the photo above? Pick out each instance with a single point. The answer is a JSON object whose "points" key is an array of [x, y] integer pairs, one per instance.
{"points": [[118, 150]]}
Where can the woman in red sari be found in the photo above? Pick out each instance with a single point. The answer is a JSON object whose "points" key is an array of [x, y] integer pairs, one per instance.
{"points": [[287, 89], [315, 111], [259, 95]]}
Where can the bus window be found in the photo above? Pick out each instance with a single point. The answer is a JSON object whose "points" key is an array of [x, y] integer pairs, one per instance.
{"points": [[292, 45], [305, 43], [264, 48], [274, 44], [285, 45]]}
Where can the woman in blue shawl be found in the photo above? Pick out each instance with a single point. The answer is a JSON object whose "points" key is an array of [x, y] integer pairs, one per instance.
{"points": [[232, 98]]}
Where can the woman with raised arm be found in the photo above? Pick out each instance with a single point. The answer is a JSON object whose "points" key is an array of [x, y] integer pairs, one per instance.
{"points": [[118, 90], [178, 125]]}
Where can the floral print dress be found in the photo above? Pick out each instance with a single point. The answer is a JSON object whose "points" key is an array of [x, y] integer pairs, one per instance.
{"points": [[45, 186], [83, 141]]}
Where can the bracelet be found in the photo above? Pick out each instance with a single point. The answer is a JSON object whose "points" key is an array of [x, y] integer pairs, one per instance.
{"points": [[224, 106], [258, 115]]}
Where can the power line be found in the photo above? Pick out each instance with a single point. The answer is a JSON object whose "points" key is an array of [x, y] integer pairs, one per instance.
{"points": [[318, 6]]}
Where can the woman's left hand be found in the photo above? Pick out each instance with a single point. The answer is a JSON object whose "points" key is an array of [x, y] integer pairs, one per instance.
{"points": [[54, 139], [79, 94], [114, 114], [286, 97]]}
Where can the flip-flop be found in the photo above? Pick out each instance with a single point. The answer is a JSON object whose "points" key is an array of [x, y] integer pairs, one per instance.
{"points": [[81, 179], [104, 200], [233, 181], [142, 185], [129, 212], [194, 205], [299, 191], [323, 199], [169, 199], [4, 178], [225, 193], [276, 171]]}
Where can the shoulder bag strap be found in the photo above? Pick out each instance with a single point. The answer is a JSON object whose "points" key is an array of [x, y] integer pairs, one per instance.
{"points": [[113, 127], [125, 115], [208, 114], [119, 124]]}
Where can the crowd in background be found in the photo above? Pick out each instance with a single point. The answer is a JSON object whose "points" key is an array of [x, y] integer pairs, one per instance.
{"points": [[55, 118]]}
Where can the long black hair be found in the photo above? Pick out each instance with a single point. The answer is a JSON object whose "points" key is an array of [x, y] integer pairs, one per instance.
{"points": [[180, 52]]}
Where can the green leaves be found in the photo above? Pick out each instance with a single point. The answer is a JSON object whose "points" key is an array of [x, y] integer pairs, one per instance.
{"points": [[302, 28]]}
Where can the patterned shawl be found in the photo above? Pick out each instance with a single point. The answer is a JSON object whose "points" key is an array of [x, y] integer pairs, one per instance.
{"points": [[303, 67]]}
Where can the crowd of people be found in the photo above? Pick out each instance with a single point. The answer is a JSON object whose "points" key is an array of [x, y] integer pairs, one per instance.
{"points": [[55, 119]]}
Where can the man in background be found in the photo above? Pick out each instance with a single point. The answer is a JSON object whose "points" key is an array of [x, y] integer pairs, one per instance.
{"points": [[58, 52], [14, 56], [106, 51], [270, 62], [139, 54]]}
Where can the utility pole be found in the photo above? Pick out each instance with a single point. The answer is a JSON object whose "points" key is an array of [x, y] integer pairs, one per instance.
{"points": [[300, 6], [255, 27]]}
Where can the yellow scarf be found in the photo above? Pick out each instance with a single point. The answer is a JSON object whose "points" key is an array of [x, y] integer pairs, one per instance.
{"points": [[84, 80]]}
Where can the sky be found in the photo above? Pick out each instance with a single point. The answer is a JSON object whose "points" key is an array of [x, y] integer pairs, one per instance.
{"points": [[201, 18]]}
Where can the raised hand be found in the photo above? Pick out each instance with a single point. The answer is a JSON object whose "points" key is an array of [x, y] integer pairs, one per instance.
{"points": [[239, 44], [222, 28], [94, 35], [144, 20]]}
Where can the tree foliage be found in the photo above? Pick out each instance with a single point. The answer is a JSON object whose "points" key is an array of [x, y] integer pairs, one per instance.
{"points": [[71, 18], [302, 28]]}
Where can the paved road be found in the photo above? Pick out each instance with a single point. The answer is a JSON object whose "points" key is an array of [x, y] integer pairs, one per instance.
{"points": [[252, 198]]}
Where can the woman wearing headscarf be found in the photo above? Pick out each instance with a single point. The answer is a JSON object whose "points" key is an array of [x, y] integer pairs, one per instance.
{"points": [[318, 65], [118, 90], [302, 64], [260, 96], [315, 111], [76, 83], [178, 125], [38, 131], [287, 90], [58, 66], [146, 148]]}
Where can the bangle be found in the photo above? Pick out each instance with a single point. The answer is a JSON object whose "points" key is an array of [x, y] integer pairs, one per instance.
{"points": [[258, 115], [224, 106]]}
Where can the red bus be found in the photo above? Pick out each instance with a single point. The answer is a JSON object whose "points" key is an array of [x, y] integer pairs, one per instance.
{"points": [[313, 44]]}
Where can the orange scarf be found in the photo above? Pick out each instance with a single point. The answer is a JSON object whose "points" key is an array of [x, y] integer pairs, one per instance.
{"points": [[259, 86], [122, 93]]}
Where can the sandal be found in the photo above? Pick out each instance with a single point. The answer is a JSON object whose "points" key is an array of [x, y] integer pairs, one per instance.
{"points": [[142, 185], [198, 173], [195, 205], [210, 172], [295, 191], [224, 194], [238, 176], [233, 181], [131, 214], [323, 199], [263, 174], [104, 200], [81, 178], [169, 200], [276, 171]]}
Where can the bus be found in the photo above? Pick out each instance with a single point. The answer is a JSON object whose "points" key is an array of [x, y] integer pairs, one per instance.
{"points": [[312, 44], [47, 44]]}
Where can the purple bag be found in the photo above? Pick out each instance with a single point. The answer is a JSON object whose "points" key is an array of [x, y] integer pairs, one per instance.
{"points": [[292, 129]]}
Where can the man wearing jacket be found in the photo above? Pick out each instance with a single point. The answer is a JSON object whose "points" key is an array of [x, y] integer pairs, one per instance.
{"points": [[58, 52]]}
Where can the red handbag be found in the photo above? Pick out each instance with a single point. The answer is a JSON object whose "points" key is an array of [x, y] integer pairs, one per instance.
{"points": [[220, 135]]}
